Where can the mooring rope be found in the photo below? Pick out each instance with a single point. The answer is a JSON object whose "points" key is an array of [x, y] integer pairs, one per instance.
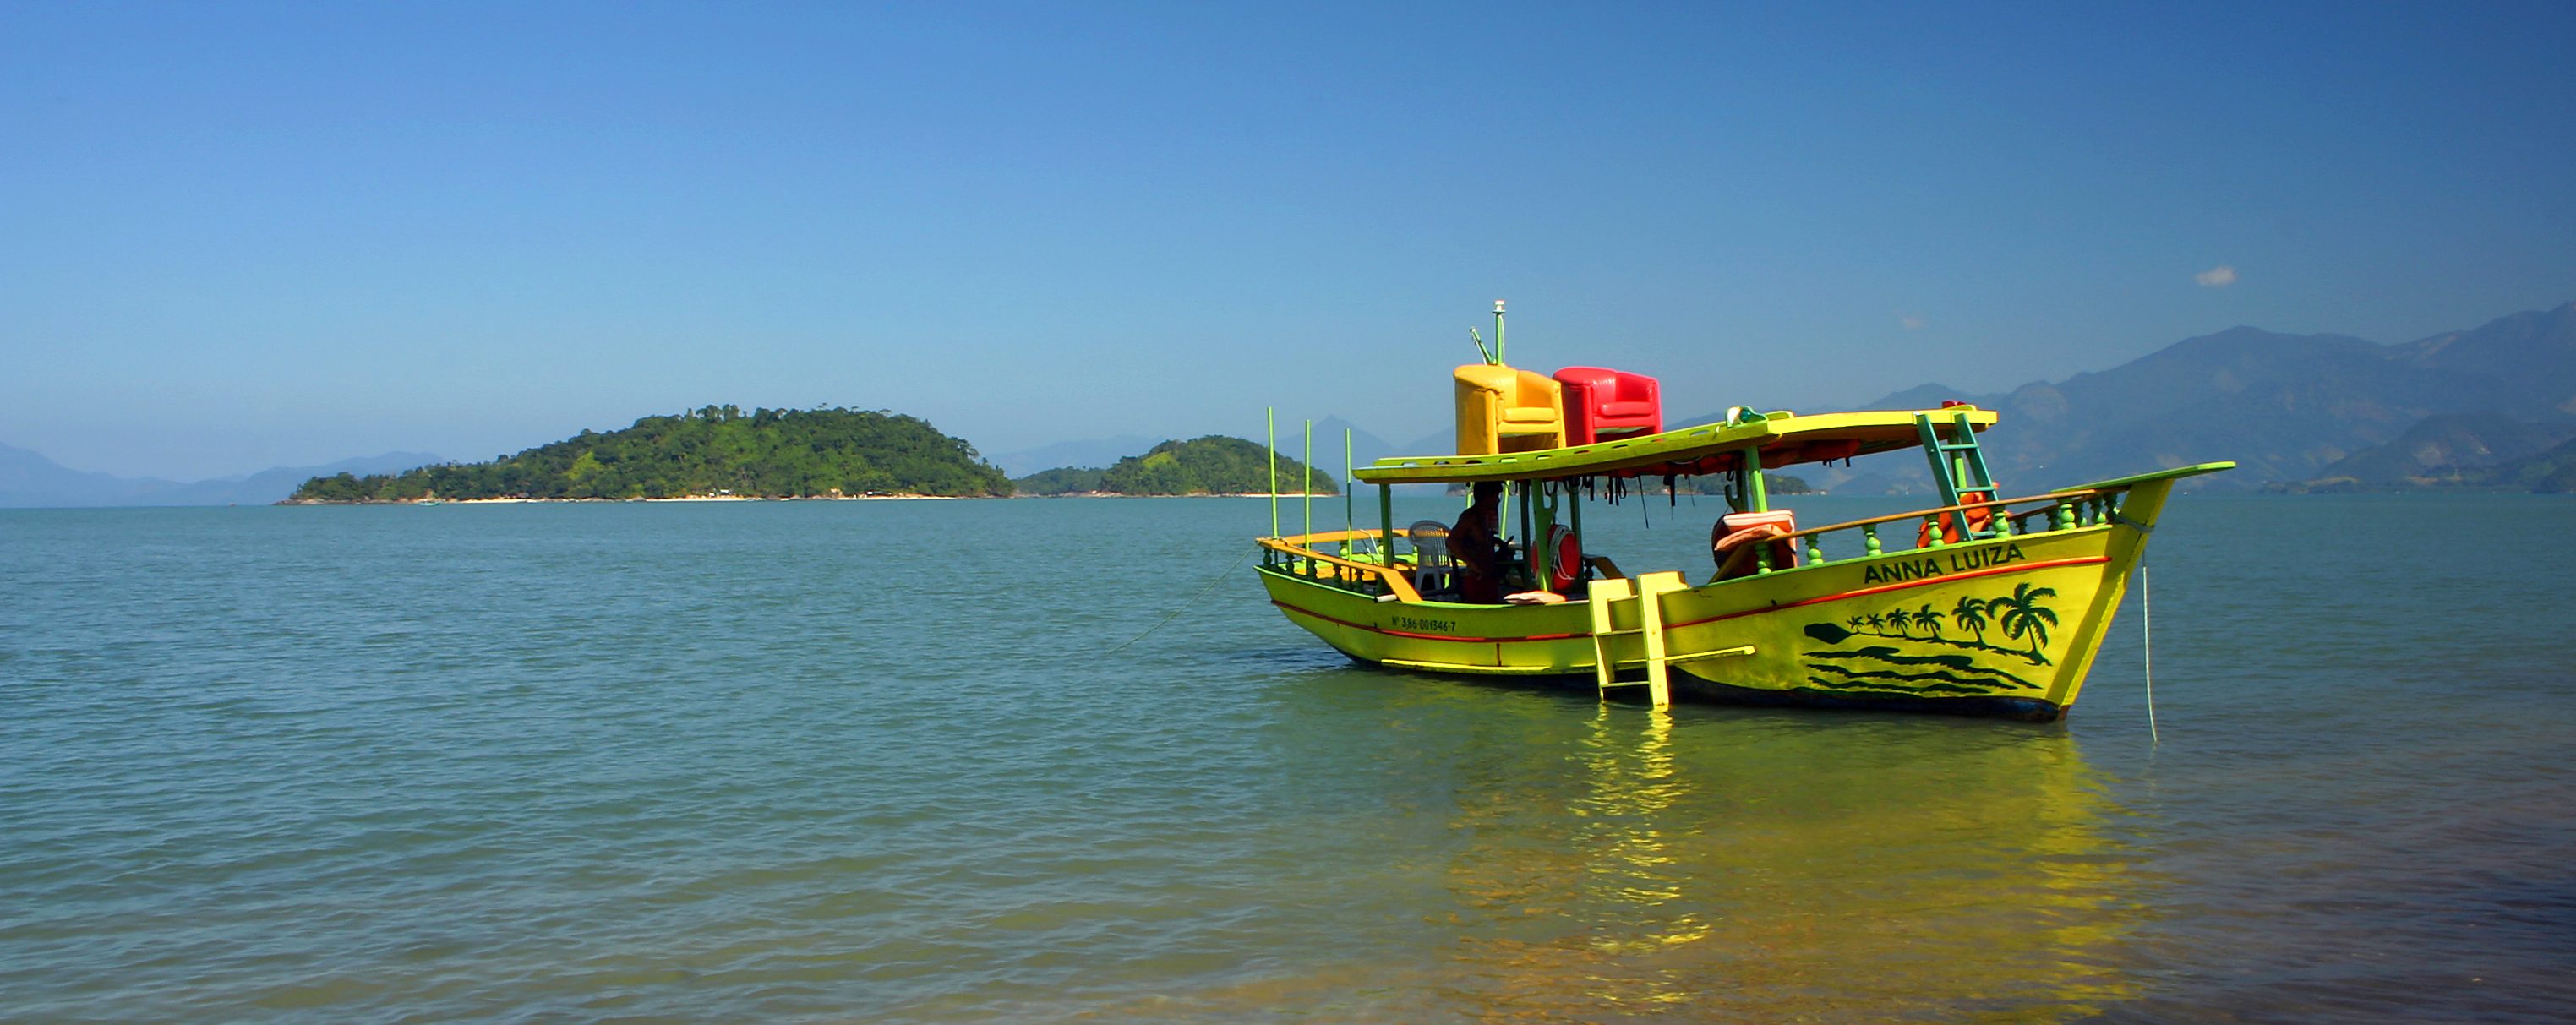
{"points": [[1185, 606], [2147, 642]]}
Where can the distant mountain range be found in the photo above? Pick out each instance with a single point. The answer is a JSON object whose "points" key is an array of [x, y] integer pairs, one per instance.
{"points": [[1090, 453], [2492, 406], [2474, 408], [29, 480], [2457, 450], [1101, 453], [1213, 465], [2287, 408]]}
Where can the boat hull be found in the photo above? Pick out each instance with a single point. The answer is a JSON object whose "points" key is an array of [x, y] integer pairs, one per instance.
{"points": [[2002, 627]]}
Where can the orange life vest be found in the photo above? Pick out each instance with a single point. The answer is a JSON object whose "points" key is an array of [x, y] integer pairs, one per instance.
{"points": [[1979, 520]]}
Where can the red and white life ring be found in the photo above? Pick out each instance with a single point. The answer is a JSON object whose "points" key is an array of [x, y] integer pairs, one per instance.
{"points": [[1565, 564]]}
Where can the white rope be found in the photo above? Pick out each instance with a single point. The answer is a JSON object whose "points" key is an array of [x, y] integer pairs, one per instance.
{"points": [[1185, 606], [2147, 641]]}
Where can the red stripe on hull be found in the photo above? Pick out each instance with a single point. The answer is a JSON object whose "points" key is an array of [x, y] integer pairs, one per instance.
{"points": [[2090, 560], [2093, 560], [1428, 637]]}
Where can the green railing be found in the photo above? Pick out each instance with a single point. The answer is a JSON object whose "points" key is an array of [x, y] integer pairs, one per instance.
{"points": [[2006, 517], [1349, 560], [1344, 559]]}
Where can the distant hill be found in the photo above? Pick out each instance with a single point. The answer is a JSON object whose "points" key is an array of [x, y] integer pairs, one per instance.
{"points": [[2288, 408], [1063, 480], [1365, 447], [2549, 473], [268, 487], [717, 449], [2475, 451], [2285, 407], [1212, 465], [2446, 449], [1090, 453], [2527, 361], [29, 480]]}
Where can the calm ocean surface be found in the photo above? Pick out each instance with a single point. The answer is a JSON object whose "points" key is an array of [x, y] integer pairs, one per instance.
{"points": [[871, 762]]}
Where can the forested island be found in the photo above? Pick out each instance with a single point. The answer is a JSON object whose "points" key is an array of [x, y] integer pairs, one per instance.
{"points": [[1219, 465], [715, 450], [1212, 465]]}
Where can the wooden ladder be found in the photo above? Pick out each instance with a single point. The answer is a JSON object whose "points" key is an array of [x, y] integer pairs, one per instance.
{"points": [[1958, 466], [1645, 594]]}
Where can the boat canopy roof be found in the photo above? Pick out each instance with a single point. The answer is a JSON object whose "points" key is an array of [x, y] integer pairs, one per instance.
{"points": [[1784, 439]]}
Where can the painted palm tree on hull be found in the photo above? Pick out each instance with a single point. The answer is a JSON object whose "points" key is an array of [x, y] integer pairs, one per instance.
{"points": [[1970, 614], [2022, 616]]}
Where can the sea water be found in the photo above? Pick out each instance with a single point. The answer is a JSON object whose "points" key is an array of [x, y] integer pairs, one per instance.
{"points": [[887, 761]]}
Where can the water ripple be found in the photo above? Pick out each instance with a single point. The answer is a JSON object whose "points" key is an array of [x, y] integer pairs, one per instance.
{"points": [[866, 762]]}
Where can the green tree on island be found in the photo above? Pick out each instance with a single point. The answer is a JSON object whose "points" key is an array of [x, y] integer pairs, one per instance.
{"points": [[1063, 480], [770, 453], [1212, 465]]}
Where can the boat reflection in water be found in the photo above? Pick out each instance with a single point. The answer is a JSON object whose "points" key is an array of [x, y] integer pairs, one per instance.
{"points": [[1763, 869]]}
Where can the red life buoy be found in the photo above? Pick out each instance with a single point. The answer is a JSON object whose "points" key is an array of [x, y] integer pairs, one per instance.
{"points": [[1565, 563]]}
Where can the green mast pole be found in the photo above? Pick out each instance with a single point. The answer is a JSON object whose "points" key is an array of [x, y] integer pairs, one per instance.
{"points": [[1574, 500], [1508, 489], [1270, 444], [1757, 495], [1350, 518], [1386, 525], [1306, 491], [1528, 497]]}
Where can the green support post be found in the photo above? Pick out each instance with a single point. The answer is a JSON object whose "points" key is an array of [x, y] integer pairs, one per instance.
{"points": [[1582, 572], [1270, 445], [1386, 526], [1756, 495], [1527, 496]]}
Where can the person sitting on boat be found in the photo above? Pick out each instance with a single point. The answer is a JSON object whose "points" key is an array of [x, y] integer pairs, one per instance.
{"points": [[1476, 544]]}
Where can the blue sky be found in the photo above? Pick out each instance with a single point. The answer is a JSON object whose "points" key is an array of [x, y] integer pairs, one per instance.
{"points": [[242, 235]]}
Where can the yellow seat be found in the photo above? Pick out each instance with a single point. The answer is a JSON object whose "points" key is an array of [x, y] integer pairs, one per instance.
{"points": [[1505, 410]]}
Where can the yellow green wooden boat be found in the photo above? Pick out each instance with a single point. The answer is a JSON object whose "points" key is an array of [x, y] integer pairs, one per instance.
{"points": [[1981, 605]]}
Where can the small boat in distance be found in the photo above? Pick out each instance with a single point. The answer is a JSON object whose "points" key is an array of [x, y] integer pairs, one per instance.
{"points": [[1980, 605]]}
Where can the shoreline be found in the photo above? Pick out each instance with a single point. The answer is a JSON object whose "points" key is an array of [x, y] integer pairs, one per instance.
{"points": [[625, 501], [1230, 494], [766, 498]]}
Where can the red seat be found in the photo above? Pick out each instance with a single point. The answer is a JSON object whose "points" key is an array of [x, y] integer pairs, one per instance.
{"points": [[1602, 403]]}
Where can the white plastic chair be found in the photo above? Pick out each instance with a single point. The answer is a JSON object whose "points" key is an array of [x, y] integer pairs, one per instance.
{"points": [[1432, 566]]}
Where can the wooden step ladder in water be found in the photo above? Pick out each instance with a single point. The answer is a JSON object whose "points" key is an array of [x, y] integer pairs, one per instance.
{"points": [[1645, 596]]}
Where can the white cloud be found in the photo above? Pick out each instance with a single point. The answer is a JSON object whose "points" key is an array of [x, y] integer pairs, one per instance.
{"points": [[1912, 321], [2220, 276]]}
